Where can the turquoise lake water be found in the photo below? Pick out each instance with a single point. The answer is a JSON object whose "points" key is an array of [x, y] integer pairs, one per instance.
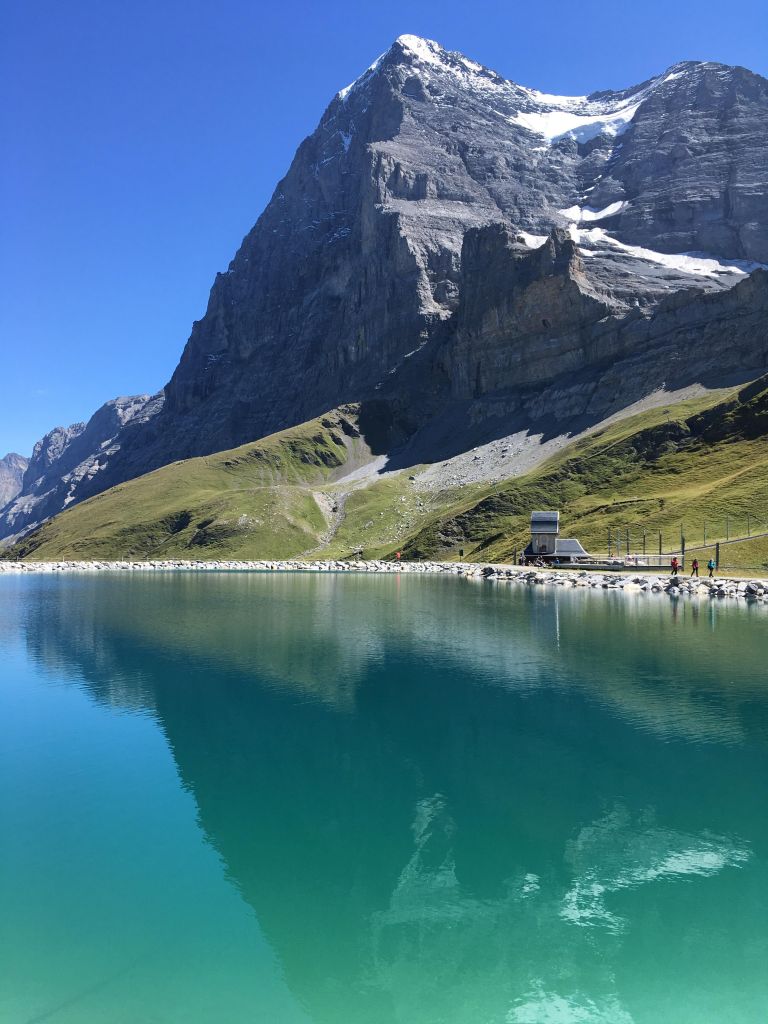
{"points": [[349, 799]]}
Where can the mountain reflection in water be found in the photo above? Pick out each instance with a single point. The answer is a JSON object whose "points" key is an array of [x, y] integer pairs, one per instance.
{"points": [[456, 802]]}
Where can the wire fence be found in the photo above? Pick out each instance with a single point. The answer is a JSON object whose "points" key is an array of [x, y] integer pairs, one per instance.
{"points": [[727, 542], [731, 530]]}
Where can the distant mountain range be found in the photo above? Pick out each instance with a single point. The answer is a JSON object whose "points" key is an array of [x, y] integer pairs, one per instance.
{"points": [[470, 261]]}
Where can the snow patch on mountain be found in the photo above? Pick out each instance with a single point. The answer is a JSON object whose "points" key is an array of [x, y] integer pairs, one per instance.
{"points": [[425, 49], [700, 264], [582, 117], [532, 241], [582, 214], [563, 121]]}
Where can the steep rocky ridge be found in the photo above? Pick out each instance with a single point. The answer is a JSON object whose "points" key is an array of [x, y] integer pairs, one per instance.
{"points": [[12, 468], [65, 459], [408, 254]]}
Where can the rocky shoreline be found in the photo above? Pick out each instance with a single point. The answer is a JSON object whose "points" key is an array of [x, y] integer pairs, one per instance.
{"points": [[719, 586]]}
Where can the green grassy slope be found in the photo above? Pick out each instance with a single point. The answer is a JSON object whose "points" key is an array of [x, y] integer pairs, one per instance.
{"points": [[702, 461], [256, 498]]}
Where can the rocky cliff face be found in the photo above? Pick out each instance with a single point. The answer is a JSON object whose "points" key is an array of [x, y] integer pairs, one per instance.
{"points": [[529, 321], [65, 460], [690, 174], [356, 262], [521, 312], [12, 468], [409, 251]]}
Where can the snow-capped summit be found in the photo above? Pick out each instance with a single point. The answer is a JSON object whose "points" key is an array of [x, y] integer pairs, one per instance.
{"points": [[550, 116], [427, 56], [425, 49]]}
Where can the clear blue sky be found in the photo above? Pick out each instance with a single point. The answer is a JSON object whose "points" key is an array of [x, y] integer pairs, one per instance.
{"points": [[142, 140]]}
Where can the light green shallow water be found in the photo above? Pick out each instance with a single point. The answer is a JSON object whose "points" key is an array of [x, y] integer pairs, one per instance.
{"points": [[368, 800]]}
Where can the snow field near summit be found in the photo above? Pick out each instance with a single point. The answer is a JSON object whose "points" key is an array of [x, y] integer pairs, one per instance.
{"points": [[558, 123], [582, 119]]}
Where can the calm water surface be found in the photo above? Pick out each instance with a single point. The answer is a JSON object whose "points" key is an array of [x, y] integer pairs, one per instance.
{"points": [[368, 800]]}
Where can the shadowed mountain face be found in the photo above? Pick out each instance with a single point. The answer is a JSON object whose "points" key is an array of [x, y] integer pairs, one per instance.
{"points": [[12, 467], [408, 252], [438, 796]]}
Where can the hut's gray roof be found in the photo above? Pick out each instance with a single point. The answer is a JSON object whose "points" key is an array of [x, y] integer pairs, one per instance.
{"points": [[545, 521], [569, 547]]}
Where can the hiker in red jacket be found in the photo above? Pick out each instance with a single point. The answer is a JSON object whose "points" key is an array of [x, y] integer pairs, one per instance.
{"points": [[675, 566]]}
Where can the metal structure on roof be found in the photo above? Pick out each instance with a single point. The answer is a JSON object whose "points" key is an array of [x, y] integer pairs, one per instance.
{"points": [[544, 521]]}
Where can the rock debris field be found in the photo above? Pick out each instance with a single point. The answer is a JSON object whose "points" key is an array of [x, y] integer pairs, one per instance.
{"points": [[753, 590]]}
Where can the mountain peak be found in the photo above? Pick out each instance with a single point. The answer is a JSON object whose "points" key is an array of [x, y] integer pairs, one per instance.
{"points": [[414, 50], [418, 45]]}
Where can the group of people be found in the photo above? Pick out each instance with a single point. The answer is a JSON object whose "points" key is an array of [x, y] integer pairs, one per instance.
{"points": [[675, 567]]}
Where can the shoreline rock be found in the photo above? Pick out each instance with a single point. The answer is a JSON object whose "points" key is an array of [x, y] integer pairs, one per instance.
{"points": [[754, 589]]}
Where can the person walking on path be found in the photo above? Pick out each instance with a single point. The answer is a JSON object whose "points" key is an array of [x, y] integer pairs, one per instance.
{"points": [[695, 567], [675, 566], [711, 566]]}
